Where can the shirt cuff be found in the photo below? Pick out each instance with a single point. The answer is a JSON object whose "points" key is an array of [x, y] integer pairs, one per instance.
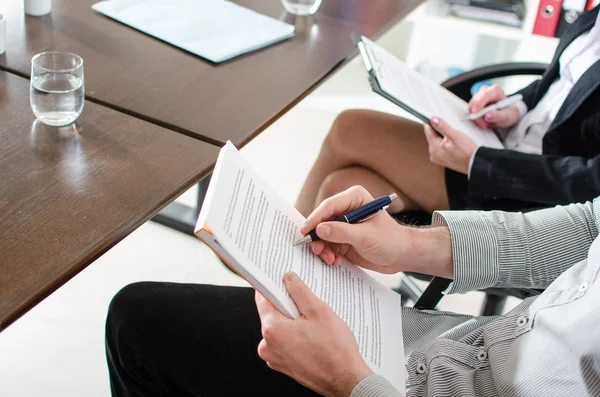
{"points": [[474, 249], [522, 108], [375, 386], [471, 161]]}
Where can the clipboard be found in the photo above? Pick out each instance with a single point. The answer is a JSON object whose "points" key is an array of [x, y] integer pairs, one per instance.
{"points": [[372, 64], [393, 79]]}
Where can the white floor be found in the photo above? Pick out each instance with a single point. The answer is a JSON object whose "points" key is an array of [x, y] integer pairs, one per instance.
{"points": [[57, 349]]}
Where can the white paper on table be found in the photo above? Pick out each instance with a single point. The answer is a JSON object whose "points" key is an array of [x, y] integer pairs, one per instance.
{"points": [[216, 30]]}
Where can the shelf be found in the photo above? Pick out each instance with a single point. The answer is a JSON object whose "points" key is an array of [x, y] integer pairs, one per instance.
{"points": [[434, 13]]}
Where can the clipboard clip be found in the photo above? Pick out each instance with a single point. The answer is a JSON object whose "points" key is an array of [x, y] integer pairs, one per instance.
{"points": [[365, 56], [372, 65]]}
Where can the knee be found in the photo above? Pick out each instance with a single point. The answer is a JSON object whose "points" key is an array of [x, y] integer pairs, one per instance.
{"points": [[336, 182], [126, 307], [348, 129], [125, 325]]}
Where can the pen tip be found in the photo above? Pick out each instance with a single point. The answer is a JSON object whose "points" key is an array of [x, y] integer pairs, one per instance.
{"points": [[303, 240]]}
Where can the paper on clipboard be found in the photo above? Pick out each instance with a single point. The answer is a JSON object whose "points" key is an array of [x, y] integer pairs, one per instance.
{"points": [[418, 95]]}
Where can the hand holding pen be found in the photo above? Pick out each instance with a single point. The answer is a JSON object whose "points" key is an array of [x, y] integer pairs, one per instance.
{"points": [[500, 105], [361, 214], [376, 244], [490, 108]]}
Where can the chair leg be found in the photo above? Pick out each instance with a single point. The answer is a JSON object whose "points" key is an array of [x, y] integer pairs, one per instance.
{"points": [[432, 294], [493, 305], [180, 216], [408, 290]]}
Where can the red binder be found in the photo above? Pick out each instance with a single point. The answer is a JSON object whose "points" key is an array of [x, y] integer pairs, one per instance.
{"points": [[547, 17], [591, 4]]}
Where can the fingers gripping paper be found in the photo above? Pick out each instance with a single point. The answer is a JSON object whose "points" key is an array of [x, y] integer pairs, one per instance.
{"points": [[253, 229]]}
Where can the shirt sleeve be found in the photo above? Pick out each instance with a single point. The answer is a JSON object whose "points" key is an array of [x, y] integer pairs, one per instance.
{"points": [[471, 162], [516, 250], [375, 386]]}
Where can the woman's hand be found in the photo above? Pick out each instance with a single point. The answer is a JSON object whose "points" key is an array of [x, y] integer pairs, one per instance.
{"points": [[318, 349], [453, 150], [489, 95], [379, 244]]}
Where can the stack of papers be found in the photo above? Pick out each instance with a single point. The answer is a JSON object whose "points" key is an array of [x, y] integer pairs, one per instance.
{"points": [[216, 30]]}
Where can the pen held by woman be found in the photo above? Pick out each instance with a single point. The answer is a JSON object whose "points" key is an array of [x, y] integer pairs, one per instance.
{"points": [[499, 118], [500, 105]]}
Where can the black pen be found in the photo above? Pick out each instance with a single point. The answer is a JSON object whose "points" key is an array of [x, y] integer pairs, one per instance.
{"points": [[358, 215]]}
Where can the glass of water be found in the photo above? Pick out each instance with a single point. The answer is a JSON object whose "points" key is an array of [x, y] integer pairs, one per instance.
{"points": [[57, 90], [301, 7]]}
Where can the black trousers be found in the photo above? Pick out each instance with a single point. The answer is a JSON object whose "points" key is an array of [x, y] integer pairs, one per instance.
{"points": [[165, 339]]}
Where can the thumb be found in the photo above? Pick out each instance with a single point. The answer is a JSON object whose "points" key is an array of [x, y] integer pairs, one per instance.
{"points": [[305, 300], [442, 127]]}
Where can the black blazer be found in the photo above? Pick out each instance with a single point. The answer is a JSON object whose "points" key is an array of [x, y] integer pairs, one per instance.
{"points": [[568, 170]]}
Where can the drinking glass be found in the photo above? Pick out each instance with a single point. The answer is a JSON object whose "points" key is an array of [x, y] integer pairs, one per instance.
{"points": [[37, 8], [301, 7], [57, 90], [2, 34]]}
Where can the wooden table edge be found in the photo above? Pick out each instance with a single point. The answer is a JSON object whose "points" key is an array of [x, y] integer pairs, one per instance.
{"points": [[103, 246]]}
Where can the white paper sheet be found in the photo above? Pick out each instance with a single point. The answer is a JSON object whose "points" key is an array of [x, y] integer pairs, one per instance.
{"points": [[423, 95], [256, 227], [216, 30]]}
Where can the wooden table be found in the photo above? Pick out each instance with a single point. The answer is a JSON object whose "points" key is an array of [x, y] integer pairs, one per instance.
{"points": [[66, 198], [141, 76]]}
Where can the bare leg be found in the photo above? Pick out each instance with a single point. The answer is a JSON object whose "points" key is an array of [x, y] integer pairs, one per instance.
{"points": [[344, 178], [392, 148]]}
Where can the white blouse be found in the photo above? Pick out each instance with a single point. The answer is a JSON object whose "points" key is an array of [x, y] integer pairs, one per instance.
{"points": [[575, 60]]}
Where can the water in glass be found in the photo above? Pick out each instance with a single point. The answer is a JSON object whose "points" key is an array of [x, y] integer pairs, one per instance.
{"points": [[57, 99], [57, 87], [301, 7]]}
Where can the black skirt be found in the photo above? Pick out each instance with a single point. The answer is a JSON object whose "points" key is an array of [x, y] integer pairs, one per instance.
{"points": [[457, 187]]}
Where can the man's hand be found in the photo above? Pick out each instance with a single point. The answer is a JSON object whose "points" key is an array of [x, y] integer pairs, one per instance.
{"points": [[453, 150], [489, 95], [380, 244], [318, 349]]}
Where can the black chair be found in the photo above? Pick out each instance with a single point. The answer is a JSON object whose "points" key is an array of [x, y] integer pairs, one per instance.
{"points": [[461, 86]]}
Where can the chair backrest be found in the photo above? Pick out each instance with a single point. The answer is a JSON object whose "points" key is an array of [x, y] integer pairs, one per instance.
{"points": [[461, 85]]}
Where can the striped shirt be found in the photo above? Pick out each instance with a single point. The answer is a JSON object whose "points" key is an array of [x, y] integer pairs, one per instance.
{"points": [[547, 346]]}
